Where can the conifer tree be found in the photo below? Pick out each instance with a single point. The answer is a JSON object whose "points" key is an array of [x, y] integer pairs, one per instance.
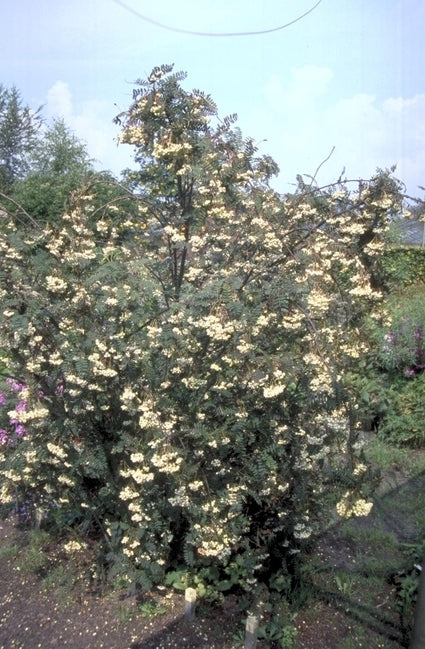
{"points": [[19, 129], [58, 165]]}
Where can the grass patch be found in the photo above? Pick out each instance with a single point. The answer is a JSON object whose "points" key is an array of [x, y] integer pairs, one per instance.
{"points": [[60, 578], [388, 456], [352, 572], [371, 536], [33, 557], [377, 566], [9, 551]]}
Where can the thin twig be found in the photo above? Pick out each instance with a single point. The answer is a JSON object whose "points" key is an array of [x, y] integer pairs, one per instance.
{"points": [[321, 165], [8, 198]]}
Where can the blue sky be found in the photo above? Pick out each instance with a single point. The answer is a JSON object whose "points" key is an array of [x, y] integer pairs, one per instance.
{"points": [[350, 75]]}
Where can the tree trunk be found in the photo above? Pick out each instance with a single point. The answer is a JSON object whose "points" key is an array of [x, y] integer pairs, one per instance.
{"points": [[418, 634]]}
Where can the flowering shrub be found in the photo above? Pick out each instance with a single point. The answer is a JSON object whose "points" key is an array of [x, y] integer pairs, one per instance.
{"points": [[187, 362]]}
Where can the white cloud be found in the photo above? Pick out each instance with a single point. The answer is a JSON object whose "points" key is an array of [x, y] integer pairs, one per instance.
{"points": [[370, 133], [301, 119], [304, 119], [91, 122], [408, 119], [59, 102], [306, 85]]}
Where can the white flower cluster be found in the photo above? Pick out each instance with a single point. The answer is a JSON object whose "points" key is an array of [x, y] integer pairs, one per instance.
{"points": [[74, 546], [175, 235], [164, 149], [56, 450], [273, 390], [302, 531], [318, 302], [215, 328], [36, 414], [128, 493], [347, 507], [141, 476], [181, 498], [167, 462], [56, 284]]}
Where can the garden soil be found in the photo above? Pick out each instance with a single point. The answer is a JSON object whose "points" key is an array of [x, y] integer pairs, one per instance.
{"points": [[33, 616]]}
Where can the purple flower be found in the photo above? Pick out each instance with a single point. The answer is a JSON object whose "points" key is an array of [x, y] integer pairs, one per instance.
{"points": [[21, 406], [16, 385], [418, 333], [409, 373], [2, 399], [20, 430]]}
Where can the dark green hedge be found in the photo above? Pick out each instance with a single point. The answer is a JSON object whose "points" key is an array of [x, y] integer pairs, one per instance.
{"points": [[404, 264]]}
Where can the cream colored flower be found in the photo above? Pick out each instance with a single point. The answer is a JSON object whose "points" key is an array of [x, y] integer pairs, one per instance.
{"points": [[273, 390], [55, 284], [347, 507]]}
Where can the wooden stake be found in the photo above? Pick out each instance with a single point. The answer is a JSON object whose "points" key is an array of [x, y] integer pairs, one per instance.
{"points": [[418, 633], [251, 632], [190, 603]]}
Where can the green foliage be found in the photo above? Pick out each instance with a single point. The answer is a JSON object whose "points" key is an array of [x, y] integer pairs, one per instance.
{"points": [[385, 455], [404, 265], [33, 557], [19, 128], [406, 582], [394, 388], [59, 164], [278, 634], [401, 351], [151, 608], [187, 351], [403, 421], [344, 585]]}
